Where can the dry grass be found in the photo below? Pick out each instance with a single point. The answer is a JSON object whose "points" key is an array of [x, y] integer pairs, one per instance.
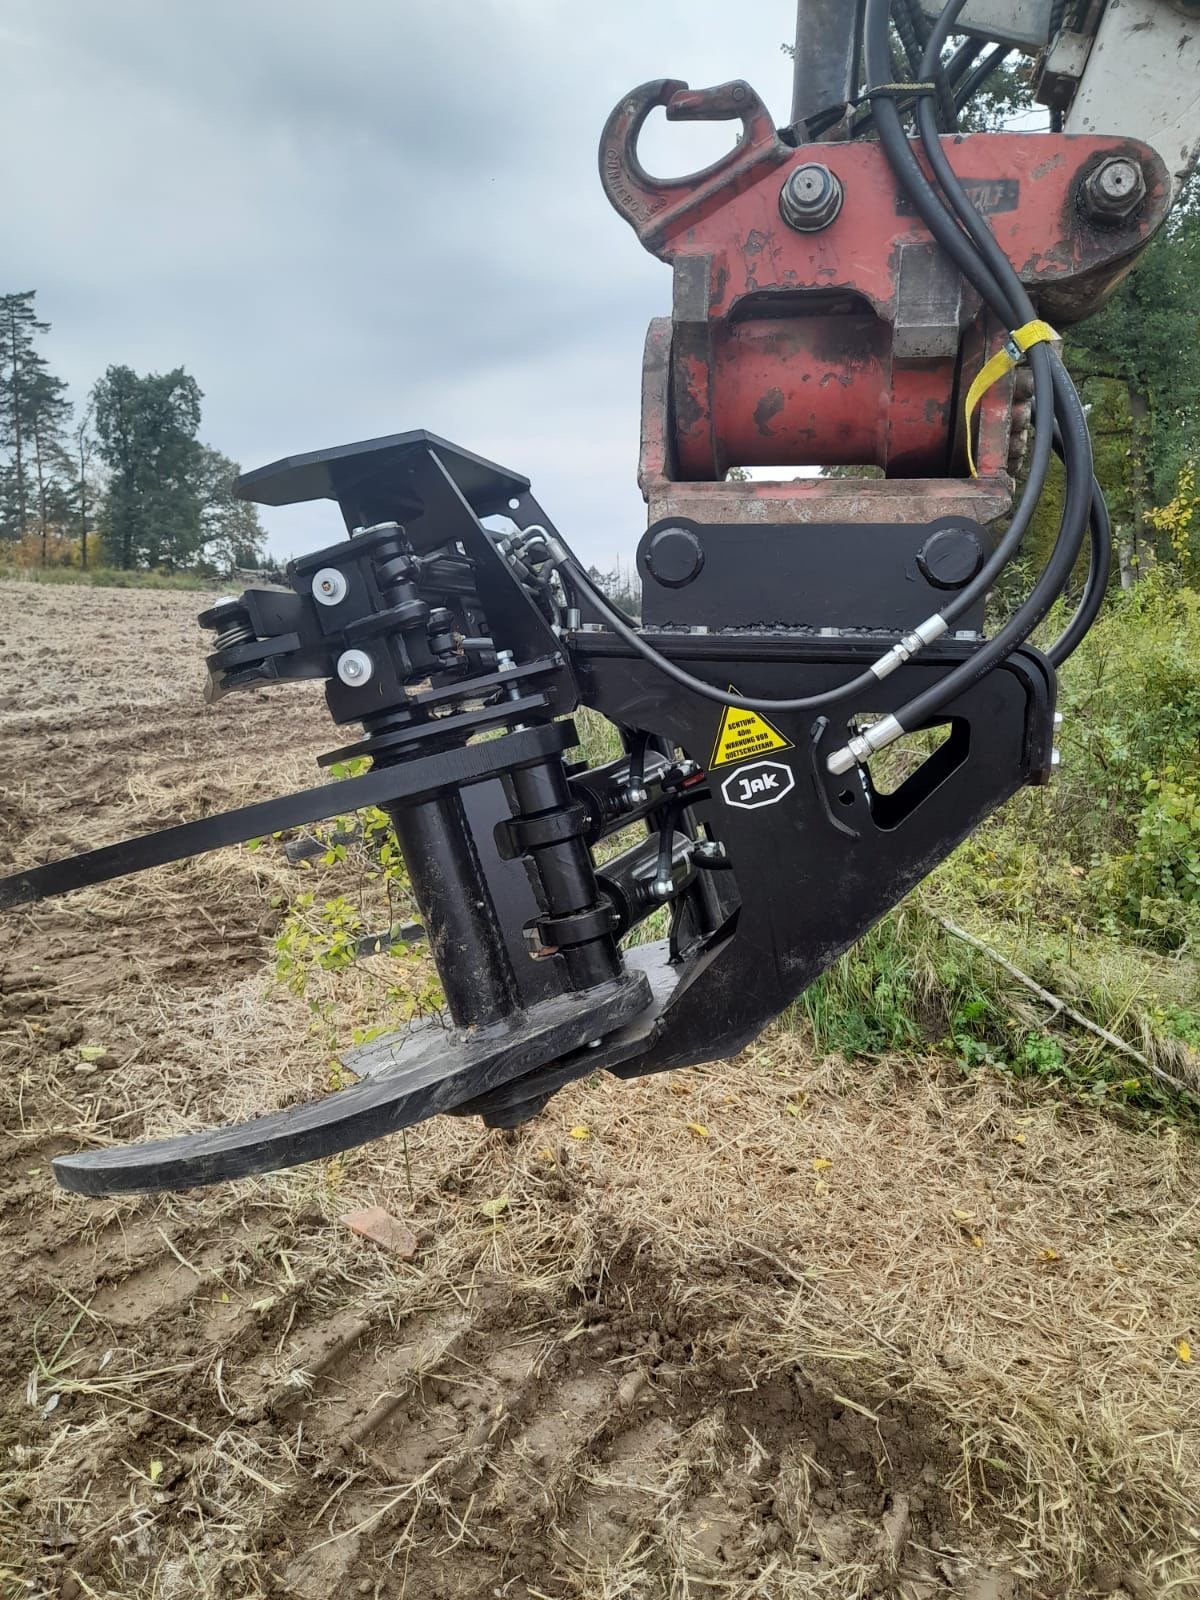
{"points": [[776, 1329]]}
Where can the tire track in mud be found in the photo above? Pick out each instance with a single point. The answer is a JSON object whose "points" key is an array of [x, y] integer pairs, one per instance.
{"points": [[466, 1441], [183, 1306]]}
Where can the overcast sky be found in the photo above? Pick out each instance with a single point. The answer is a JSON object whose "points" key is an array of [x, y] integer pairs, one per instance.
{"points": [[351, 217]]}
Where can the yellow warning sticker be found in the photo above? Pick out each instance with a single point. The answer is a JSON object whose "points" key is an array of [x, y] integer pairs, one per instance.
{"points": [[744, 734]]}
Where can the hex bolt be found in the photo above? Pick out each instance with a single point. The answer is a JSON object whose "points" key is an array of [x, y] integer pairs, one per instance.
{"points": [[1115, 190], [355, 668], [329, 586], [810, 198], [507, 662]]}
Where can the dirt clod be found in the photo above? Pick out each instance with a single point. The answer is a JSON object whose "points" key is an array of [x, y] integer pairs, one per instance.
{"points": [[378, 1225]]}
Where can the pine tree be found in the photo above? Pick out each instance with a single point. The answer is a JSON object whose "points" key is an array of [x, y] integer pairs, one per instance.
{"points": [[18, 328], [84, 495], [34, 411], [49, 411]]}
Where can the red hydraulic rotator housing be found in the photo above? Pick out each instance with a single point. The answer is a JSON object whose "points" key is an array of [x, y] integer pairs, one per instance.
{"points": [[814, 320]]}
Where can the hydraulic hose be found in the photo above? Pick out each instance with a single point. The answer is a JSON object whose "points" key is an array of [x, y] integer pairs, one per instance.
{"points": [[1100, 560], [971, 85], [985, 241], [985, 265], [1099, 572], [865, 682], [980, 260]]}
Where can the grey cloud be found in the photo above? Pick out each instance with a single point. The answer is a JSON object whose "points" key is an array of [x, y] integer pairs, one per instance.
{"points": [[347, 219]]}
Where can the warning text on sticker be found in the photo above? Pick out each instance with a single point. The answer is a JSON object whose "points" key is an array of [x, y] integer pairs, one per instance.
{"points": [[743, 735]]}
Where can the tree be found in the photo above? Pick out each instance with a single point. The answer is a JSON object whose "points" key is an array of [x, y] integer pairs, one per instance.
{"points": [[18, 324], [85, 449], [1138, 366], [146, 436], [231, 535], [621, 586], [33, 412], [48, 411]]}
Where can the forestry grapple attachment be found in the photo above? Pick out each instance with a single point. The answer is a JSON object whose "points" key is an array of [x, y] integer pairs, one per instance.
{"points": [[844, 294]]}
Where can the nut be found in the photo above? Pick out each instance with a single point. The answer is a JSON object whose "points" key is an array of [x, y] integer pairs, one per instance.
{"points": [[1115, 190], [811, 198]]}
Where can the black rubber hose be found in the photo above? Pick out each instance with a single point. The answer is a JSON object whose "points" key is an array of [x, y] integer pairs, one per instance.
{"points": [[866, 682], [993, 274], [961, 62], [957, 69], [914, 33], [959, 247], [907, 169], [984, 240], [948, 234], [923, 708], [1022, 517], [1075, 440], [664, 867], [1096, 587], [971, 85]]}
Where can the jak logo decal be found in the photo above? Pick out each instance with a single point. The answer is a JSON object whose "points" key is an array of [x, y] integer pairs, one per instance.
{"points": [[763, 784]]}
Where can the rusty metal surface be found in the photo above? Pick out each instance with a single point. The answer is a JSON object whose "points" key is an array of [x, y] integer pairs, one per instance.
{"points": [[844, 345], [800, 500], [804, 500]]}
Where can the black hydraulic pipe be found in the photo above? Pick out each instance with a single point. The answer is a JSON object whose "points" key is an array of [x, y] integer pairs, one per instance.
{"points": [[456, 909], [984, 263], [567, 874]]}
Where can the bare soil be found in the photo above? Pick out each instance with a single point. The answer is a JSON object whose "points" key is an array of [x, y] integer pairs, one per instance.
{"points": [[776, 1329]]}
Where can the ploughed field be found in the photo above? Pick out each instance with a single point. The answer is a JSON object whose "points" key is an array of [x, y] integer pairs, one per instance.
{"points": [[784, 1327]]}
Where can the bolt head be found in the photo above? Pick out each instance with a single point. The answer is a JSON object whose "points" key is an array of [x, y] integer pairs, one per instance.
{"points": [[811, 198], [1115, 190], [355, 668], [329, 586], [674, 556], [951, 556]]}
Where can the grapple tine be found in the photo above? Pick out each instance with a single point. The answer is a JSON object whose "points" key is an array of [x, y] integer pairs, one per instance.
{"points": [[436, 1070]]}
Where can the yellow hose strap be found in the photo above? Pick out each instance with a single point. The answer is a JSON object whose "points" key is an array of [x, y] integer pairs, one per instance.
{"points": [[1002, 363]]}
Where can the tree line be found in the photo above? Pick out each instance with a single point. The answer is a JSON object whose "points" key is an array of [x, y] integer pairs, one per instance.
{"points": [[123, 480]]}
